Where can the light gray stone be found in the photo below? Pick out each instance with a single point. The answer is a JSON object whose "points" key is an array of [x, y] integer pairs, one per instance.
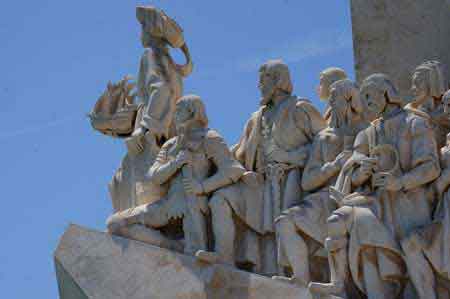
{"points": [[393, 37], [99, 265]]}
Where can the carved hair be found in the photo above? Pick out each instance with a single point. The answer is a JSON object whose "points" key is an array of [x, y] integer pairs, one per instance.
{"points": [[333, 74], [435, 77], [159, 25], [280, 71], [384, 83], [196, 106], [348, 89]]}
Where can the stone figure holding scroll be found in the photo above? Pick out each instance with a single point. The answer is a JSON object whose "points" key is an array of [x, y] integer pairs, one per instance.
{"points": [[191, 166], [394, 160], [301, 230]]}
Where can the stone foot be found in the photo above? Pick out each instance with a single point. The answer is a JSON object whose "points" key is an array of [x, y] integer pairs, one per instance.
{"points": [[211, 257], [291, 280], [207, 257], [333, 288]]}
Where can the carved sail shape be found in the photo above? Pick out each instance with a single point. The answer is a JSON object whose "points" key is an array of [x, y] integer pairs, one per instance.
{"points": [[114, 112]]}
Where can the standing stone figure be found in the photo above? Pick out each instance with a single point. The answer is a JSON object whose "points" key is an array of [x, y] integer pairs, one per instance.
{"points": [[326, 78], [394, 159], [428, 88], [159, 86], [301, 230], [191, 165], [427, 250], [276, 142]]}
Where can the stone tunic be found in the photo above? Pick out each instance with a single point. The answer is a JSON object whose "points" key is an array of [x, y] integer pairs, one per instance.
{"points": [[311, 215], [293, 125], [212, 165], [159, 87], [389, 216]]}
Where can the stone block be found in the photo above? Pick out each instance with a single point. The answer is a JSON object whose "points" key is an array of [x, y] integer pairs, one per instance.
{"points": [[92, 264]]}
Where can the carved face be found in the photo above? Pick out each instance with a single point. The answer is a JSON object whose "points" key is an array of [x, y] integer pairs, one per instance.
{"points": [[323, 90], [267, 86], [375, 99], [419, 87], [182, 115], [337, 102], [145, 38]]}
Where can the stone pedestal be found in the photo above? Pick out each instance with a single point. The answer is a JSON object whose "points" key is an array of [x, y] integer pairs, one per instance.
{"points": [[91, 264], [394, 36]]}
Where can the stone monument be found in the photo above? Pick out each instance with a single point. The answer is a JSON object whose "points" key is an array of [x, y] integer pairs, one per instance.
{"points": [[353, 203], [393, 37]]}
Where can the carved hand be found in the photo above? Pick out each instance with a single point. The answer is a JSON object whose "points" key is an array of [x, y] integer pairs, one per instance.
{"points": [[183, 157], [342, 158], [135, 143], [387, 181], [367, 166], [192, 186]]}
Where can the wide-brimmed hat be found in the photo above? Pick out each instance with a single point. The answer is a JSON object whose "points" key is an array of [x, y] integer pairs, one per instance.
{"points": [[160, 25]]}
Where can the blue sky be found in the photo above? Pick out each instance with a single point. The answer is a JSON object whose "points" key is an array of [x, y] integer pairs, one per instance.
{"points": [[56, 58]]}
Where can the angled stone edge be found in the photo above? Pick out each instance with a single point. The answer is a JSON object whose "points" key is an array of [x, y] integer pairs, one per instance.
{"points": [[92, 264]]}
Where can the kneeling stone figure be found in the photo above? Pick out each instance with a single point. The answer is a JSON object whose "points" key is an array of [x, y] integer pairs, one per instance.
{"points": [[192, 165]]}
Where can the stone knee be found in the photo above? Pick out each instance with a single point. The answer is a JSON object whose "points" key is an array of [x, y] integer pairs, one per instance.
{"points": [[411, 245], [284, 226], [337, 226]]}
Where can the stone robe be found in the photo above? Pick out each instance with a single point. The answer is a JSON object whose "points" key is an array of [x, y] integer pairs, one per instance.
{"points": [[294, 126], [310, 216], [277, 186], [435, 238], [386, 216], [213, 166], [159, 87]]}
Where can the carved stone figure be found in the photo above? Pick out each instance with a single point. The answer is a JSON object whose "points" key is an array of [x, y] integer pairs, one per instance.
{"points": [[428, 87], [276, 142], [301, 230], [394, 159], [191, 166], [326, 78], [427, 250], [159, 86]]}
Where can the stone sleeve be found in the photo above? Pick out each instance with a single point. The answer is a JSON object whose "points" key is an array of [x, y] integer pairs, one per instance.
{"points": [[163, 168], [228, 169], [425, 159]]}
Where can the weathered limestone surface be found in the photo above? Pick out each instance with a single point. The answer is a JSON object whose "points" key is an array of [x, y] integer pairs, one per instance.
{"points": [[393, 37], [92, 264]]}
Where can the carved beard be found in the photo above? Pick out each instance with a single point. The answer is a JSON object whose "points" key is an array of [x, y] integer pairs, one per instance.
{"points": [[265, 100]]}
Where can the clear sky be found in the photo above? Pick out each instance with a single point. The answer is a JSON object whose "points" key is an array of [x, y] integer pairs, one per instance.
{"points": [[56, 58]]}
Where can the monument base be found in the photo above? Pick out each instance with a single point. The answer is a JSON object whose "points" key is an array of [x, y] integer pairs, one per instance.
{"points": [[92, 264]]}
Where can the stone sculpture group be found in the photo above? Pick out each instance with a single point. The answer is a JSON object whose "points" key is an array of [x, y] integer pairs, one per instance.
{"points": [[360, 192]]}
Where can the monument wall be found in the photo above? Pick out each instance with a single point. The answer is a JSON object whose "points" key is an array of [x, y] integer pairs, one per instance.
{"points": [[395, 36]]}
